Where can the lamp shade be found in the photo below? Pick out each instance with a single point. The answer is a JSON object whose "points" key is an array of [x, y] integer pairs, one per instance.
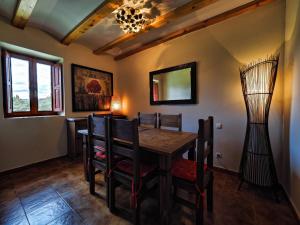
{"points": [[258, 81], [116, 105]]}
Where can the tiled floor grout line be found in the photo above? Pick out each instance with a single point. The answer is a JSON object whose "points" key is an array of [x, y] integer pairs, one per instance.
{"points": [[16, 194], [69, 205], [38, 208], [23, 207], [57, 218]]}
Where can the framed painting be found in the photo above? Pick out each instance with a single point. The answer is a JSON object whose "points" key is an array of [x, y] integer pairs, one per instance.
{"points": [[92, 89]]}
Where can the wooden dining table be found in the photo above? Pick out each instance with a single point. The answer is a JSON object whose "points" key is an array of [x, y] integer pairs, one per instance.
{"points": [[167, 145]]}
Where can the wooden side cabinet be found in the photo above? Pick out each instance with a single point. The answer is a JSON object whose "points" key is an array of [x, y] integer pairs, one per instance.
{"points": [[75, 141]]}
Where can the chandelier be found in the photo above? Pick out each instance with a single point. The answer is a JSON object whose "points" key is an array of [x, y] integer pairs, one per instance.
{"points": [[130, 19]]}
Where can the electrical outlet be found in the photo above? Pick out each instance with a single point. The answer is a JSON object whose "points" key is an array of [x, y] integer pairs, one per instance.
{"points": [[219, 155], [219, 125]]}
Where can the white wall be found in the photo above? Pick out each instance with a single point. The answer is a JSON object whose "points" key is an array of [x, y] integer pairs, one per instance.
{"points": [[219, 50], [291, 144], [28, 140]]}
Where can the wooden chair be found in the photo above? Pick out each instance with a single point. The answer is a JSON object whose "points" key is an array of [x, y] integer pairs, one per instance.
{"points": [[97, 149], [139, 177], [196, 176], [170, 121], [166, 121], [147, 119]]}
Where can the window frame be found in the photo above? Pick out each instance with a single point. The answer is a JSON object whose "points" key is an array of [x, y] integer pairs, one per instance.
{"points": [[33, 85]]}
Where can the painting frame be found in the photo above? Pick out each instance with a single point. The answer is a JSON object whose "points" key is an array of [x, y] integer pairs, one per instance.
{"points": [[75, 104]]}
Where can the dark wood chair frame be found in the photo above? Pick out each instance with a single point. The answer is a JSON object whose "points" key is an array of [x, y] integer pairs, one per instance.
{"points": [[147, 119], [97, 136], [124, 141], [204, 179], [170, 121], [166, 121]]}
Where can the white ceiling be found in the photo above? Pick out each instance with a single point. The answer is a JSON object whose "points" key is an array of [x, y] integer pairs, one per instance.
{"points": [[7, 8], [59, 17], [56, 17]]}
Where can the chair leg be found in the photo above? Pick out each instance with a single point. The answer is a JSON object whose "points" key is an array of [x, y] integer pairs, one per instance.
{"points": [[240, 185], [210, 194], [106, 179], [136, 213], [199, 210], [174, 194], [92, 178], [111, 194]]}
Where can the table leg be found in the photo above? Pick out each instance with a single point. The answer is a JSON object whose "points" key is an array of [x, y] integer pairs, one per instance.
{"points": [[165, 189], [85, 157]]}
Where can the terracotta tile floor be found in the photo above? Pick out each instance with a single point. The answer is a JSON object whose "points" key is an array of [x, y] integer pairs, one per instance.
{"points": [[56, 193]]}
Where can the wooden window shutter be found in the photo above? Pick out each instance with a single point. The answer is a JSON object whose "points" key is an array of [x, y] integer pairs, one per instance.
{"points": [[57, 88], [7, 84]]}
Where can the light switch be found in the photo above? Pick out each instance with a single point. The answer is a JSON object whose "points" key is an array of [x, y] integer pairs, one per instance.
{"points": [[219, 125]]}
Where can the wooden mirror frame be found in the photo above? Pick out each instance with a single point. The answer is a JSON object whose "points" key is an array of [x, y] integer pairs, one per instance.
{"points": [[192, 100]]}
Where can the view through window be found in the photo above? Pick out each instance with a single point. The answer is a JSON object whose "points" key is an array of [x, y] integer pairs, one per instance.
{"points": [[20, 85], [44, 87]]}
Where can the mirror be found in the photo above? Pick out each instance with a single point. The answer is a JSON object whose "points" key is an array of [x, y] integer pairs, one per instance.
{"points": [[174, 85]]}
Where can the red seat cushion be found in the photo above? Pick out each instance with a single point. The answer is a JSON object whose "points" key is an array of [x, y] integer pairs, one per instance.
{"points": [[185, 169], [127, 167], [101, 155]]}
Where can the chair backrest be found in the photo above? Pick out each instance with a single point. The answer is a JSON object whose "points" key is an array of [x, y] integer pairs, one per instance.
{"points": [[170, 121], [97, 134], [124, 141], [148, 119], [204, 149]]}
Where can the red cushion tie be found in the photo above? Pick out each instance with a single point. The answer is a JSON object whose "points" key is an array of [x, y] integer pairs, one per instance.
{"points": [[201, 193], [127, 167], [187, 170], [134, 194], [107, 174], [110, 171], [197, 201]]}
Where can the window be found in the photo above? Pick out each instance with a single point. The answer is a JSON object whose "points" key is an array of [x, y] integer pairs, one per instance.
{"points": [[32, 86]]}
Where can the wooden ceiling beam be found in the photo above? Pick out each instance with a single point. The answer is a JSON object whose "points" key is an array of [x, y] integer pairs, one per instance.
{"points": [[23, 12], [160, 21], [200, 25], [104, 10]]}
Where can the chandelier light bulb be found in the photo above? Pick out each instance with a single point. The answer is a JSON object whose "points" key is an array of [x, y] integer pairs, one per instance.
{"points": [[131, 20]]}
